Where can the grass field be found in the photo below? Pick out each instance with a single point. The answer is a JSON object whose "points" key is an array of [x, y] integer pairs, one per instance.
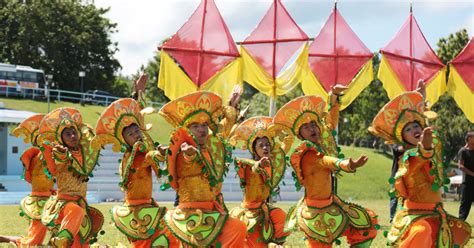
{"points": [[12, 224]]}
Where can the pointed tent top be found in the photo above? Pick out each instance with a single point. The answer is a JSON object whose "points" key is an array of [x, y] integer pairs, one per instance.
{"points": [[275, 39], [464, 63], [203, 45], [410, 55], [337, 40]]}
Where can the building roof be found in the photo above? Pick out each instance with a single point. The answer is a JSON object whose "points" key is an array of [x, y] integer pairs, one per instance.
{"points": [[13, 115]]}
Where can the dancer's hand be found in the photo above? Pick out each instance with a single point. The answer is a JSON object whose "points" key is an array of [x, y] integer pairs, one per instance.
{"points": [[235, 96], [427, 138], [421, 87], [188, 149], [162, 149], [338, 89], [264, 162], [59, 148], [354, 164]]}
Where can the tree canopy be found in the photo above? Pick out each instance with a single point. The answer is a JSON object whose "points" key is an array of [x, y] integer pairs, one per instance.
{"points": [[62, 38]]}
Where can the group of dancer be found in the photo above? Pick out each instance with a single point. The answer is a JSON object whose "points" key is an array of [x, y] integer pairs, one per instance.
{"points": [[64, 152]]}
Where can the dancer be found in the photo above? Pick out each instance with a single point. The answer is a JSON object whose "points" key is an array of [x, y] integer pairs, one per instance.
{"points": [[70, 159], [140, 218], [321, 214], [258, 177], [196, 161], [420, 220], [41, 185]]}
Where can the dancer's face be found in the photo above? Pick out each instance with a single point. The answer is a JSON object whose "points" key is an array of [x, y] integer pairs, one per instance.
{"points": [[200, 131], [262, 147], [310, 131], [132, 134], [411, 133], [70, 137]]}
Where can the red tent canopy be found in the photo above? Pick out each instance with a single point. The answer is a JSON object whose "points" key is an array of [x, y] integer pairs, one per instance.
{"points": [[275, 39], [337, 54], [203, 45], [410, 56]]}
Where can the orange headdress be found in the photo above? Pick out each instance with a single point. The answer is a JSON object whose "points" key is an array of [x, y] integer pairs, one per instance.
{"points": [[120, 114], [256, 127], [197, 107], [392, 118], [300, 111], [54, 123], [29, 128]]}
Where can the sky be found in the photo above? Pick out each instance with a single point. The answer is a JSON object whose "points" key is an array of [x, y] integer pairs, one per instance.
{"points": [[143, 24]]}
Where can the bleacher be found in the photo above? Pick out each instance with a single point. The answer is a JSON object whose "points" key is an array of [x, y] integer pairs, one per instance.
{"points": [[103, 186]]}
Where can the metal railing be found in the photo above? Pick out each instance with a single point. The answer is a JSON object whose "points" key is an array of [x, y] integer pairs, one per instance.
{"points": [[62, 95]]}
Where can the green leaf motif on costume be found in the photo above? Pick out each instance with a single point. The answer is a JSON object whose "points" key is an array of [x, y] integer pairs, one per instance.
{"points": [[196, 227], [32, 206], [138, 222], [358, 216], [85, 228]]}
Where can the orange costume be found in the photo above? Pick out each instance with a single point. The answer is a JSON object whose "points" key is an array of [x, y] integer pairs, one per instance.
{"points": [[41, 185], [200, 218], [140, 218], [73, 222], [265, 223], [420, 220], [321, 214]]}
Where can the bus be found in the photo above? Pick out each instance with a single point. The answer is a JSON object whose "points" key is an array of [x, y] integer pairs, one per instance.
{"points": [[19, 78]]}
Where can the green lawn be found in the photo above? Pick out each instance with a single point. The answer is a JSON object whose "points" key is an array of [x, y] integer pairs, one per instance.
{"points": [[12, 224]]}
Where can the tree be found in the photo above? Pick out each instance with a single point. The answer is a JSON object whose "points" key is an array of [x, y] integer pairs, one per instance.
{"points": [[451, 122], [62, 38], [358, 116]]}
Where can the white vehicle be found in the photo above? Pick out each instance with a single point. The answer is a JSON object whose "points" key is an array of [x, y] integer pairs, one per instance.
{"points": [[21, 77]]}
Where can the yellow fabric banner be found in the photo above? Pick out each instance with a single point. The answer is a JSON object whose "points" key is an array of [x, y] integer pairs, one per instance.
{"points": [[390, 81], [312, 86], [175, 83], [256, 76], [461, 93]]}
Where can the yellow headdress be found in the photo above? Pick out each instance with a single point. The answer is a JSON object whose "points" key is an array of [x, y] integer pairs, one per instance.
{"points": [[300, 111], [118, 115], [54, 123], [197, 107], [392, 118], [29, 128], [256, 127]]}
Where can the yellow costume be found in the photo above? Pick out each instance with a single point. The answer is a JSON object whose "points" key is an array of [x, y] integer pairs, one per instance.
{"points": [[264, 222], [321, 214], [200, 218], [140, 218], [74, 222], [420, 220], [41, 185]]}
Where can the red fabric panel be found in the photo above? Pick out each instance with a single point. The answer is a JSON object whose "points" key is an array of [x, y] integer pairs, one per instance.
{"points": [[404, 48], [276, 27], [204, 32], [464, 64], [337, 54]]}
